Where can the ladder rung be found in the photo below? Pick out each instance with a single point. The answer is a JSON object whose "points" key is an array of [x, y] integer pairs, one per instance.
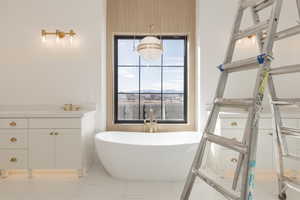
{"points": [[241, 65], [291, 180], [287, 33], [285, 70], [252, 30], [262, 5], [216, 186], [290, 132], [286, 101], [234, 103], [293, 157], [232, 144]]}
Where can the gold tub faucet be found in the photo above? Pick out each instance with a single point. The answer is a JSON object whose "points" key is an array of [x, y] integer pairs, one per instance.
{"points": [[150, 125]]}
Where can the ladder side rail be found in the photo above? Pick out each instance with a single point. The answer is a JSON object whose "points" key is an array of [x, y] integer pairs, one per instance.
{"points": [[298, 7], [271, 32], [277, 118], [234, 31], [250, 135], [209, 127], [189, 183], [256, 20], [211, 123], [252, 132], [278, 150]]}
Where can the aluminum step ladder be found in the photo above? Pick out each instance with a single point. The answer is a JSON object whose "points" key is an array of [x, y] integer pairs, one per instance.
{"points": [[281, 132], [266, 35]]}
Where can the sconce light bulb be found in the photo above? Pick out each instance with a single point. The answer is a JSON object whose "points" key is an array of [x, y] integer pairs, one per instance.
{"points": [[71, 39], [43, 38], [240, 41], [253, 38]]}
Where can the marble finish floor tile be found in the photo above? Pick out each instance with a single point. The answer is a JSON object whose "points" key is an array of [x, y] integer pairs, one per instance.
{"points": [[100, 186]]}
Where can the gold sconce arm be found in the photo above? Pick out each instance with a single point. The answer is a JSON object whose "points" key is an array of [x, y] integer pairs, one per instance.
{"points": [[59, 34]]}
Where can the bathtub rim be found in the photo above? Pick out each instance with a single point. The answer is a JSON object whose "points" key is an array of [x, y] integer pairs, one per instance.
{"points": [[98, 135]]}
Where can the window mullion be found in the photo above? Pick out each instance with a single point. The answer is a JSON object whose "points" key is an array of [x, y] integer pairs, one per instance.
{"points": [[139, 87]]}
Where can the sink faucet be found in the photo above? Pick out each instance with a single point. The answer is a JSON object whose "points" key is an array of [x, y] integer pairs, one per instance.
{"points": [[151, 123]]}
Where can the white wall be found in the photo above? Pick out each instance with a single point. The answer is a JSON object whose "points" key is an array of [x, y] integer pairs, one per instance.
{"points": [[37, 73], [215, 23]]}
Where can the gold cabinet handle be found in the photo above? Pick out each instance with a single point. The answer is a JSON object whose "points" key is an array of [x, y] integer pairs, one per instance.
{"points": [[233, 124], [56, 133], [51, 133], [13, 159], [13, 124], [233, 160], [13, 139]]}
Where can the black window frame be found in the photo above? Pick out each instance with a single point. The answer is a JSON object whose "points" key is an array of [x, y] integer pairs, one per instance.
{"points": [[185, 89]]}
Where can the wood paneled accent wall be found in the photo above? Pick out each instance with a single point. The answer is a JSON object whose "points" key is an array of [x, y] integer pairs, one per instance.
{"points": [[170, 17]]}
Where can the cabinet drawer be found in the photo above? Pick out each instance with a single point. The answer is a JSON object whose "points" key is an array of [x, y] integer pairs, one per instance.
{"points": [[13, 123], [264, 123], [13, 159], [13, 139], [55, 123], [233, 123]]}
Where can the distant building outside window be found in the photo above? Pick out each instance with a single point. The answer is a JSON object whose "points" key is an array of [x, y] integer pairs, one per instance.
{"points": [[159, 85]]}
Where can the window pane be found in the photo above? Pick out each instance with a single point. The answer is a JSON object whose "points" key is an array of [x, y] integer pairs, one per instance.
{"points": [[128, 79], [150, 101], [144, 85], [173, 53], [126, 53], [173, 107], [128, 106], [151, 80], [173, 80], [150, 63]]}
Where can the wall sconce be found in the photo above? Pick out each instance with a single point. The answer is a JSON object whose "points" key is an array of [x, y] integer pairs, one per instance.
{"points": [[251, 38], [59, 35]]}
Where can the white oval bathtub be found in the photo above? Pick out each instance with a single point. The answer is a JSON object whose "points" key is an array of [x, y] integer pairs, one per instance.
{"points": [[147, 156]]}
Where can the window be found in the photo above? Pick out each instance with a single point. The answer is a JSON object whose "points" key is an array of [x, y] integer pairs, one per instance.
{"points": [[159, 85]]}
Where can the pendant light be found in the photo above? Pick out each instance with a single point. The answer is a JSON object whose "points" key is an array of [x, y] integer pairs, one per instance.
{"points": [[150, 47]]}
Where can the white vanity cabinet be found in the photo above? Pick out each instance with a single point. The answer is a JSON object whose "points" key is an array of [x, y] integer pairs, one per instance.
{"points": [[232, 126], [48, 141], [13, 143], [55, 149]]}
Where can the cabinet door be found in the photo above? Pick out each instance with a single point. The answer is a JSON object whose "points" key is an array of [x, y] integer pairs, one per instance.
{"points": [[264, 156], [68, 149], [41, 149]]}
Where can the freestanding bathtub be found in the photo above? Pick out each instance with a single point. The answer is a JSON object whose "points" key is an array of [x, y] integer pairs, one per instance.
{"points": [[147, 156]]}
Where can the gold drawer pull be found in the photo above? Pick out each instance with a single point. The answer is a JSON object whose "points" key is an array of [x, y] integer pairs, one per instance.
{"points": [[13, 159], [13, 139], [233, 160], [51, 133], [13, 124], [56, 133], [233, 124]]}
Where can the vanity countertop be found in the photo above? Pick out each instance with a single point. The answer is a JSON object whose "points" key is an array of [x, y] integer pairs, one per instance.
{"points": [[41, 111]]}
